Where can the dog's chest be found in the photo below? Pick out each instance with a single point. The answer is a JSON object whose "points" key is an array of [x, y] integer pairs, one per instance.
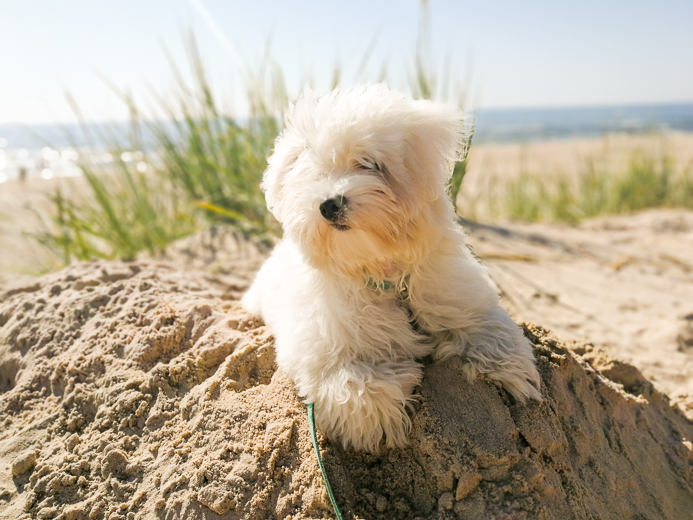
{"points": [[400, 295]]}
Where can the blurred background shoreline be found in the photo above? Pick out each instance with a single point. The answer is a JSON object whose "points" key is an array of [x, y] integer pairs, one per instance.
{"points": [[48, 150]]}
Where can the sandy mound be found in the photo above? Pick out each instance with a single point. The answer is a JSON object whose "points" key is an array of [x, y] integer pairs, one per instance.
{"points": [[139, 390]]}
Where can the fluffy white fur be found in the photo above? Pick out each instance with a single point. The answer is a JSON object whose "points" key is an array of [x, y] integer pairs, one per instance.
{"points": [[349, 342]]}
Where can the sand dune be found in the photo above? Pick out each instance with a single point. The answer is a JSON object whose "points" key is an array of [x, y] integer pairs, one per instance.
{"points": [[143, 390]]}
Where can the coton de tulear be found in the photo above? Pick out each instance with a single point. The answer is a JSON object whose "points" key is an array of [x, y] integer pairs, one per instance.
{"points": [[373, 272]]}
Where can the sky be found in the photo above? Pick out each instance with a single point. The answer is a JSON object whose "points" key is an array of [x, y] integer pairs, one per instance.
{"points": [[534, 53]]}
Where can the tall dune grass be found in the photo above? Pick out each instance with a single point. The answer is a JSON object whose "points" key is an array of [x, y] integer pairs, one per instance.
{"points": [[121, 214], [646, 182], [204, 168]]}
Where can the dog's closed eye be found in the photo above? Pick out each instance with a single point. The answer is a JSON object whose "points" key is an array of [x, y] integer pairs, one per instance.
{"points": [[371, 165]]}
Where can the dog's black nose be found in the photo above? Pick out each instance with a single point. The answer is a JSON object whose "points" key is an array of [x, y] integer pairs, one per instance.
{"points": [[331, 208]]}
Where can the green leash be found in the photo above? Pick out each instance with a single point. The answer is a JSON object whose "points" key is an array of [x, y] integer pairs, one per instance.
{"points": [[383, 285], [311, 422]]}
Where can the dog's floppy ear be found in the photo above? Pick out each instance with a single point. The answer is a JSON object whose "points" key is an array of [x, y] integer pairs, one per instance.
{"points": [[435, 140], [278, 164], [287, 148]]}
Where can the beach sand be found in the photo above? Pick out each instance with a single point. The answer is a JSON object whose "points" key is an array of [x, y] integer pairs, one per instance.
{"points": [[23, 209]]}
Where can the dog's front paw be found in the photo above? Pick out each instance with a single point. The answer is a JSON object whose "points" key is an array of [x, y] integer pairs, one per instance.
{"points": [[361, 404], [519, 374], [496, 348], [507, 357]]}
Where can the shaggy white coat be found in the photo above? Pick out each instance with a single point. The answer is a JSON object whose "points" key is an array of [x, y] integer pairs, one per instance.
{"points": [[349, 341]]}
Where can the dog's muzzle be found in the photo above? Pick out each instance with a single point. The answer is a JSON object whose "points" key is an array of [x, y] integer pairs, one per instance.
{"points": [[334, 210]]}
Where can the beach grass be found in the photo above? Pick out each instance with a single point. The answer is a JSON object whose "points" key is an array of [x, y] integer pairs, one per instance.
{"points": [[645, 182], [202, 168], [216, 160], [123, 212]]}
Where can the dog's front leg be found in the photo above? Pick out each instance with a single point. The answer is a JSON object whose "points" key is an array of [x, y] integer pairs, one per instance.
{"points": [[360, 402], [453, 300], [493, 345]]}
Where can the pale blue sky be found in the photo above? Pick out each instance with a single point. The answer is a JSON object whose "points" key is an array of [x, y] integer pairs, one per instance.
{"points": [[521, 54]]}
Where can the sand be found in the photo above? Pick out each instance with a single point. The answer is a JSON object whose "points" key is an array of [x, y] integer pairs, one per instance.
{"points": [[143, 390]]}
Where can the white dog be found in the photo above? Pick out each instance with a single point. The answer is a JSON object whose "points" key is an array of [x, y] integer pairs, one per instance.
{"points": [[373, 272]]}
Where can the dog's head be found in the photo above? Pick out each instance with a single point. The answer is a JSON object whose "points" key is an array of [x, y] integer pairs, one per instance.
{"points": [[358, 179]]}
